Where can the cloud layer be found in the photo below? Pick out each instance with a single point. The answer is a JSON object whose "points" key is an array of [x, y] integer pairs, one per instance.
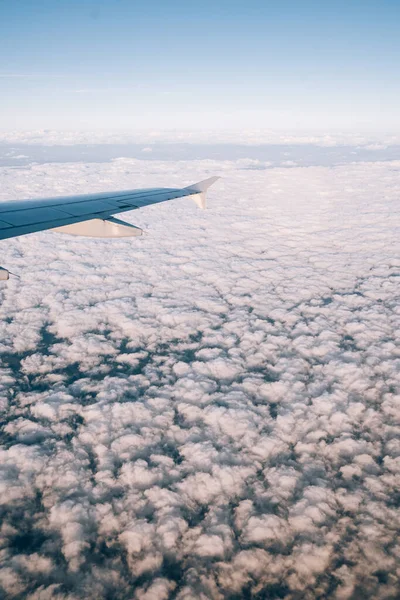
{"points": [[258, 136], [211, 410]]}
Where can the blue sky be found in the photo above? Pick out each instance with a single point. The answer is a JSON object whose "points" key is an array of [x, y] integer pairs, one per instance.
{"points": [[127, 64]]}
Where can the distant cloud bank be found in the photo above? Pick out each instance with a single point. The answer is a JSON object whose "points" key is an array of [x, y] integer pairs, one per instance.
{"points": [[373, 141]]}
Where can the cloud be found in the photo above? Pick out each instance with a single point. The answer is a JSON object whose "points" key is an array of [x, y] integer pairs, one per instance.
{"points": [[367, 141], [212, 410]]}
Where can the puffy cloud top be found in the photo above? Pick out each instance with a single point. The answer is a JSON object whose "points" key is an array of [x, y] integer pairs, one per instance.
{"points": [[211, 410]]}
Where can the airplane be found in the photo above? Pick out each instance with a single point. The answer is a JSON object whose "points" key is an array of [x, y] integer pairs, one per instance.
{"points": [[90, 214]]}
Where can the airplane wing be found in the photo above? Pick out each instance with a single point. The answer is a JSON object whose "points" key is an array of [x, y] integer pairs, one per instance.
{"points": [[91, 214]]}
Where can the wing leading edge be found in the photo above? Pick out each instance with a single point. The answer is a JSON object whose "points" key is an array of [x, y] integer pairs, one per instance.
{"points": [[69, 214]]}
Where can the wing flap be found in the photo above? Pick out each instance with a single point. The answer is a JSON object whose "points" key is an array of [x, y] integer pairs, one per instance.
{"points": [[88, 208], [102, 228], [4, 225]]}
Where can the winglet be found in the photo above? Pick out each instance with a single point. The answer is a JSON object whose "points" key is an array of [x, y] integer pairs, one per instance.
{"points": [[202, 186], [199, 191]]}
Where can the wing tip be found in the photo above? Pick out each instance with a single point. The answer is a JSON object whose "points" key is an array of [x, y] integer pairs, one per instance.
{"points": [[202, 186]]}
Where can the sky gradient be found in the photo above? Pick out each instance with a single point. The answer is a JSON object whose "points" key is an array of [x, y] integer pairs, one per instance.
{"points": [[176, 65]]}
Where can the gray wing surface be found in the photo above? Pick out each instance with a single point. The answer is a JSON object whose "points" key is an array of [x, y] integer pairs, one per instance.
{"points": [[20, 217]]}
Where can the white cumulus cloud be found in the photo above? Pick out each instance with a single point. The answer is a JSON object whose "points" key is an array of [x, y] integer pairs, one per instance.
{"points": [[210, 410]]}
